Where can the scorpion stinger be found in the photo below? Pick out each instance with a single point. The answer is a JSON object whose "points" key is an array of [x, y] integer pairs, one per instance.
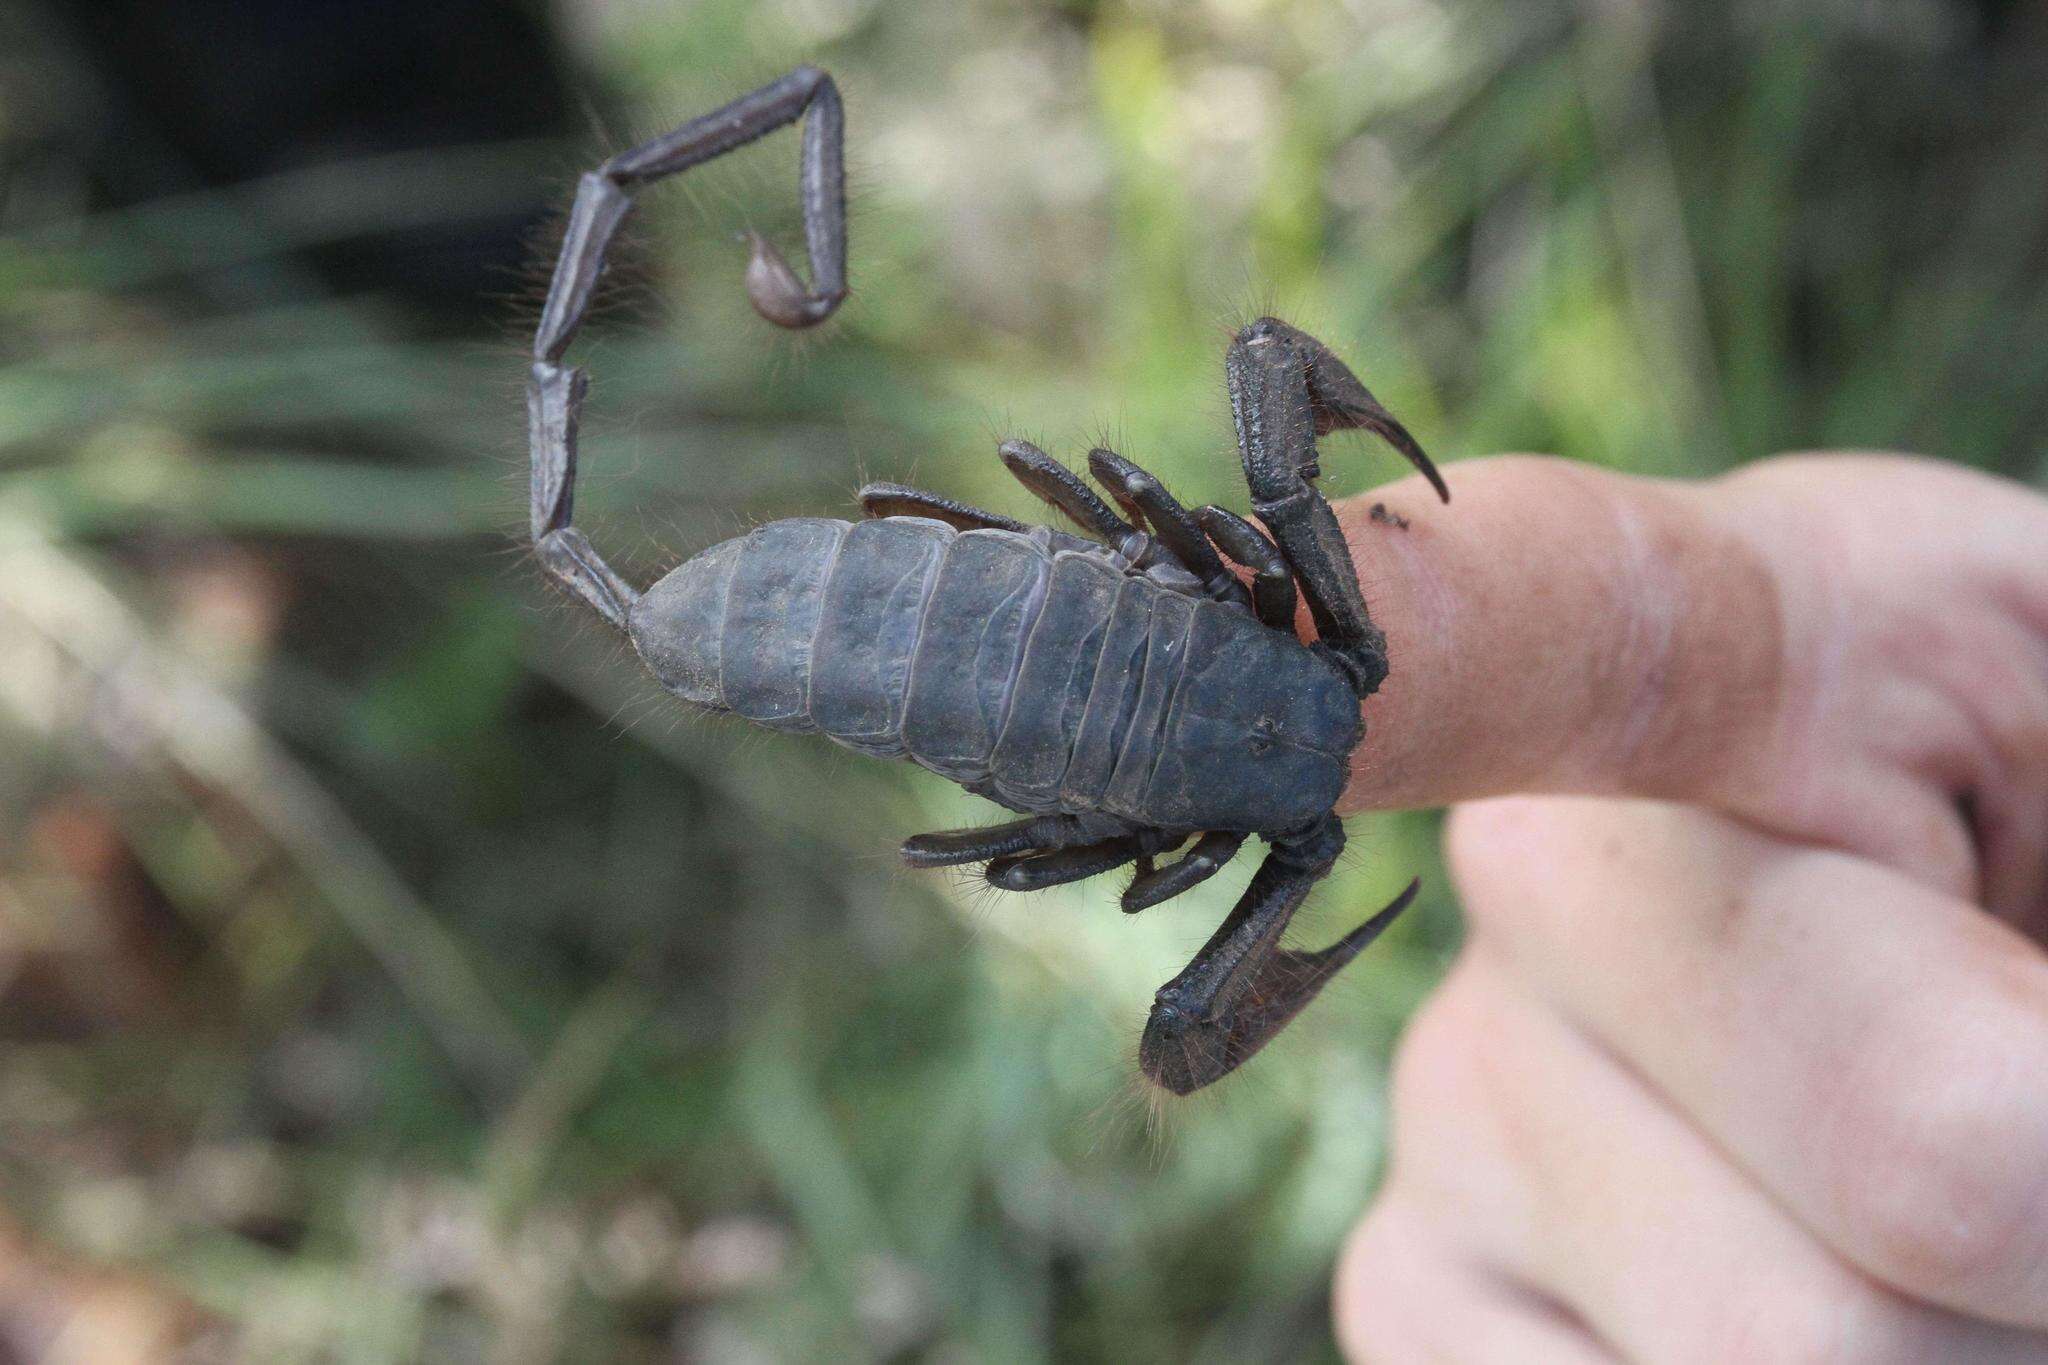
{"points": [[554, 395], [1120, 690]]}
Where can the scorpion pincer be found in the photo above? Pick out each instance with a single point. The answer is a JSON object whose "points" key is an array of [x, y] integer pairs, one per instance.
{"points": [[1122, 690]]}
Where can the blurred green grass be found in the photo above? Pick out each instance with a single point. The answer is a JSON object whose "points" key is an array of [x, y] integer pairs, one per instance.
{"points": [[424, 988]]}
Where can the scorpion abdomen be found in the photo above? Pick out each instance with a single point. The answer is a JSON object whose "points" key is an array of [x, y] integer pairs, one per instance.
{"points": [[1048, 677], [989, 594]]}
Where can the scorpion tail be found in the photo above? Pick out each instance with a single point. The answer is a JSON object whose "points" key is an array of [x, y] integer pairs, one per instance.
{"points": [[554, 392], [554, 397]]}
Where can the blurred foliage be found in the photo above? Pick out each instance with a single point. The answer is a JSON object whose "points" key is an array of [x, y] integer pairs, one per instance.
{"points": [[389, 974]]}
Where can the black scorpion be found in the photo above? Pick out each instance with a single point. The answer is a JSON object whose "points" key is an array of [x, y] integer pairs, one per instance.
{"points": [[1125, 694]]}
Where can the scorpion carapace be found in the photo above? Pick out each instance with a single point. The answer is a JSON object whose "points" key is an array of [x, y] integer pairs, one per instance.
{"points": [[1123, 691]]}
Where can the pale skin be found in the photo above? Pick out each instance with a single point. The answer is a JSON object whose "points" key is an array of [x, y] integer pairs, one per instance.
{"points": [[1746, 1055]]}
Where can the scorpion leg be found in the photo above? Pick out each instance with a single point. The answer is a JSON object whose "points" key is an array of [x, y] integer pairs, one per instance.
{"points": [[1063, 489], [896, 500], [952, 847], [1035, 872], [1243, 987], [1117, 492], [1286, 388], [1273, 594], [1176, 529], [603, 199], [1068, 492], [1200, 863]]}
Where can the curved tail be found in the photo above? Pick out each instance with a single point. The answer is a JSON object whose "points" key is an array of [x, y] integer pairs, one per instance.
{"points": [[554, 393]]}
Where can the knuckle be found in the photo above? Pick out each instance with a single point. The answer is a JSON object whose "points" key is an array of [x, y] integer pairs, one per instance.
{"points": [[1941, 1161], [1388, 1272], [1362, 1293], [1458, 1081], [1834, 1319], [1512, 857], [1485, 841], [1441, 1067]]}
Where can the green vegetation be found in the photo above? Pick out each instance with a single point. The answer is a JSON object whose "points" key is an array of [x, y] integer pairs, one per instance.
{"points": [[391, 972]]}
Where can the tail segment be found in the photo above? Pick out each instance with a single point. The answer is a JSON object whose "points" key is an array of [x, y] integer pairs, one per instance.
{"points": [[554, 393]]}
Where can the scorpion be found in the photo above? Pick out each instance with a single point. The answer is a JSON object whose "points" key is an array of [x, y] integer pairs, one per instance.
{"points": [[1124, 691]]}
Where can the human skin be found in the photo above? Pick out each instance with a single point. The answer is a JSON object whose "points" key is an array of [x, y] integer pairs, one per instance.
{"points": [[1746, 1054]]}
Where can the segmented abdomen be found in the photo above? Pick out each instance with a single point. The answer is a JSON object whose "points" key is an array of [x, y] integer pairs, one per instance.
{"points": [[1045, 675]]}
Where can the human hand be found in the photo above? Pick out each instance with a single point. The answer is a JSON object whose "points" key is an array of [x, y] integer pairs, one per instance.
{"points": [[1735, 1065]]}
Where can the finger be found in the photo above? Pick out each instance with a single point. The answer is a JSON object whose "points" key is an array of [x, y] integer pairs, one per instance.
{"points": [[1560, 628], [1620, 1209], [1870, 1050], [1811, 644], [1939, 660], [1400, 1295]]}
